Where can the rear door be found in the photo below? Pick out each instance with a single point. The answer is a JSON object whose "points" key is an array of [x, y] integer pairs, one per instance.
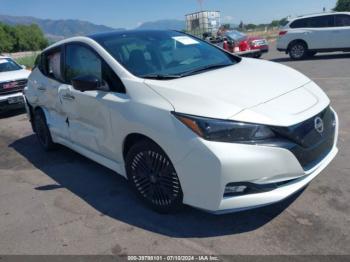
{"points": [[46, 83], [342, 31], [88, 114], [319, 32]]}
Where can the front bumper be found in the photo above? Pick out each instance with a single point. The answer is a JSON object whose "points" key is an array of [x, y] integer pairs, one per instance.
{"points": [[11, 102], [211, 166]]}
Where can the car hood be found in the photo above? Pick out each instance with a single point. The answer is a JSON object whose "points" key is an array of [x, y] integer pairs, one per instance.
{"points": [[225, 92], [14, 75]]}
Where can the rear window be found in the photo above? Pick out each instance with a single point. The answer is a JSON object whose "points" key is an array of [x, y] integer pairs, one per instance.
{"points": [[314, 22]]}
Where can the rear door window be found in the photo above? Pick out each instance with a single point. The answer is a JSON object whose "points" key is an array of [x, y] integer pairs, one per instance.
{"points": [[314, 22], [50, 64], [321, 21]]}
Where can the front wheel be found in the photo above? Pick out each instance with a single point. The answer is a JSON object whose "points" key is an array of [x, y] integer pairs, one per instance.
{"points": [[298, 51], [153, 177]]}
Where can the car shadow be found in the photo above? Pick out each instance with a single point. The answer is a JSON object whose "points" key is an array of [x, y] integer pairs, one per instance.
{"points": [[109, 194], [11, 113], [316, 57]]}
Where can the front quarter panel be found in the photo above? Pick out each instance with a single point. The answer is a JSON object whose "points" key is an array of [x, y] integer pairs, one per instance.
{"points": [[147, 113]]}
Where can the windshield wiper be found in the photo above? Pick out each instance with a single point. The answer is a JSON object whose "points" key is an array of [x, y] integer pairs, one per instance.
{"points": [[160, 77], [203, 69]]}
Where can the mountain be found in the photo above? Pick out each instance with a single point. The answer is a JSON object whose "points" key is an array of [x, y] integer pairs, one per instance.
{"points": [[58, 29], [163, 24]]}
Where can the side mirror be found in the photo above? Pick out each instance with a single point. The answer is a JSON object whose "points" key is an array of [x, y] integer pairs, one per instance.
{"points": [[23, 66], [86, 83]]}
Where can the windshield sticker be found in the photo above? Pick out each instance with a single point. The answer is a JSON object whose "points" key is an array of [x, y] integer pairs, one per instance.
{"points": [[185, 40], [3, 61]]}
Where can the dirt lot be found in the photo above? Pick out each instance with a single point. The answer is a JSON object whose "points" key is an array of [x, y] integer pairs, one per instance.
{"points": [[63, 203]]}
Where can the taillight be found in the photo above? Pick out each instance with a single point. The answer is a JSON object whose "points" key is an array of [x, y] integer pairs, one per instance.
{"points": [[282, 33], [244, 46]]}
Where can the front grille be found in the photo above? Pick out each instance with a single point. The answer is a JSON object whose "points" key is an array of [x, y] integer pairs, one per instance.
{"points": [[14, 86], [307, 144]]}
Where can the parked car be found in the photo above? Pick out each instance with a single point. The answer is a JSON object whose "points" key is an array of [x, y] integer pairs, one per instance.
{"points": [[13, 79], [184, 121], [305, 36], [240, 42]]}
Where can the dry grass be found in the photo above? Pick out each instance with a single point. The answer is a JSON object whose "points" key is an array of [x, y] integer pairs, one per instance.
{"points": [[269, 34]]}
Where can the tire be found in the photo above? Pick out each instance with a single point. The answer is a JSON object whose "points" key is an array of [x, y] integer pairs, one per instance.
{"points": [[258, 56], [153, 177], [298, 50], [42, 131]]}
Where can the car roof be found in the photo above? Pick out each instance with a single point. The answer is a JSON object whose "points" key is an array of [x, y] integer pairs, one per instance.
{"points": [[4, 56], [319, 14], [123, 32]]}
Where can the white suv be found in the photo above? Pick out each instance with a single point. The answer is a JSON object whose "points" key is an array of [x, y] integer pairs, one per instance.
{"points": [[305, 36], [13, 79], [182, 120]]}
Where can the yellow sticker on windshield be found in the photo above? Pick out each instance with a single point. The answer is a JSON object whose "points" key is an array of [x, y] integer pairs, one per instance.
{"points": [[185, 40]]}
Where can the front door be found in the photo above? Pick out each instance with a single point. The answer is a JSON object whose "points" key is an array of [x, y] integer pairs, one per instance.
{"points": [[88, 116], [342, 31]]}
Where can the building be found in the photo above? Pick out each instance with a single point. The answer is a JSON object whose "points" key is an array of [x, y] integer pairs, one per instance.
{"points": [[204, 22]]}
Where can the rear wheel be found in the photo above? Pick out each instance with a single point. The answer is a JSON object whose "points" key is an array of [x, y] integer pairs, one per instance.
{"points": [[42, 131], [298, 50], [152, 175]]}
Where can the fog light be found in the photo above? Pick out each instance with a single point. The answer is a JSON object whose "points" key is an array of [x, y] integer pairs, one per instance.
{"points": [[234, 189]]}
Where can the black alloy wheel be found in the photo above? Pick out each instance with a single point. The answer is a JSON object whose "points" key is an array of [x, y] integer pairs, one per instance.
{"points": [[152, 175]]}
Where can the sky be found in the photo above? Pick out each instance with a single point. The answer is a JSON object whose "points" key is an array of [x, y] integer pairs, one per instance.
{"points": [[131, 13]]}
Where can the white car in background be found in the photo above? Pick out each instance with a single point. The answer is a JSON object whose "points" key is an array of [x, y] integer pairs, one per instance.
{"points": [[13, 79], [184, 121], [305, 36]]}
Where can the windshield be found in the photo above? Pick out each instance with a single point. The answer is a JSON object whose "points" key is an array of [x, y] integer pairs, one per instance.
{"points": [[163, 54], [7, 64], [235, 35]]}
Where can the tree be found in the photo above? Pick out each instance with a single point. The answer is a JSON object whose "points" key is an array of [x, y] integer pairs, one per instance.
{"points": [[241, 25], [6, 40], [251, 26], [226, 26], [342, 5], [21, 38], [283, 21]]}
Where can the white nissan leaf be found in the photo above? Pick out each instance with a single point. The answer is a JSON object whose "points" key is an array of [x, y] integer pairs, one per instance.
{"points": [[184, 121]]}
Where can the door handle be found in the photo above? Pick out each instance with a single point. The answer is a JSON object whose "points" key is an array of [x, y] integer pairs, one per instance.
{"points": [[68, 97], [41, 88]]}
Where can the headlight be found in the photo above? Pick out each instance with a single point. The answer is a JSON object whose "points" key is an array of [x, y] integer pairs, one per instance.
{"points": [[225, 130]]}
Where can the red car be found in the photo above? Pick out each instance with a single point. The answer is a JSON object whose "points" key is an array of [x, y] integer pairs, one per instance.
{"points": [[238, 42]]}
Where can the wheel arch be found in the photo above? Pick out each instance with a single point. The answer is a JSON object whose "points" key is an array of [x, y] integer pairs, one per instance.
{"points": [[33, 110], [132, 139]]}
